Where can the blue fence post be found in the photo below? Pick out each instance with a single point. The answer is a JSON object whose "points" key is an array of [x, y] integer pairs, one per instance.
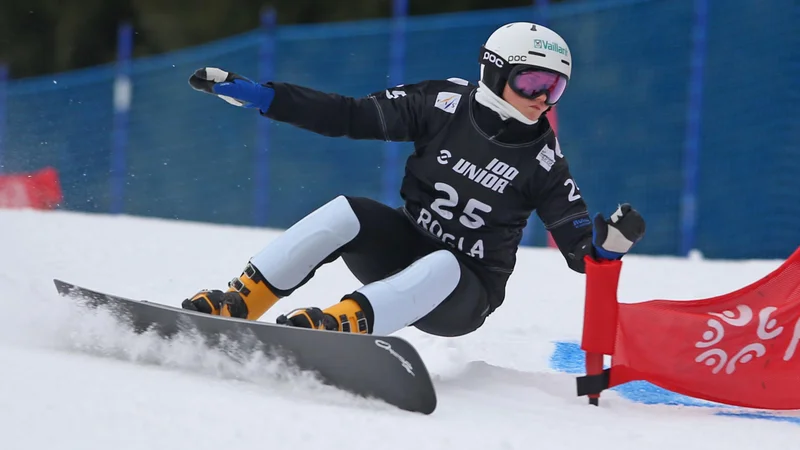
{"points": [[691, 154], [122, 104], [3, 108], [266, 72], [541, 13], [397, 62]]}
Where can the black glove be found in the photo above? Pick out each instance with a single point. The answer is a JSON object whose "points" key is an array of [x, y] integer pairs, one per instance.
{"points": [[613, 237]]}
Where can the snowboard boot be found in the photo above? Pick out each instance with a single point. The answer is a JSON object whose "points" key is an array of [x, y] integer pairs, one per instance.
{"points": [[346, 316], [248, 297]]}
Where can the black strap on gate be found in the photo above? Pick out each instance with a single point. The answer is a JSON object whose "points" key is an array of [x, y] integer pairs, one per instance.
{"points": [[593, 384]]}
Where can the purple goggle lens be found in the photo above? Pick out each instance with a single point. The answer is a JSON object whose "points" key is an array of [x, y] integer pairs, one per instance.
{"points": [[532, 83]]}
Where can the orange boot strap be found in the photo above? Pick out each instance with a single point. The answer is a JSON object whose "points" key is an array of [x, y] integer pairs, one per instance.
{"points": [[349, 315], [256, 294]]}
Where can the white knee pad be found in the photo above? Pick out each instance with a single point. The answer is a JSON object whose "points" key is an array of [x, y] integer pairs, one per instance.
{"points": [[404, 298], [287, 260]]}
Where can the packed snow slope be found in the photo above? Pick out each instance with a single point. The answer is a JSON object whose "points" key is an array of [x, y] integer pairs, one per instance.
{"points": [[70, 379]]}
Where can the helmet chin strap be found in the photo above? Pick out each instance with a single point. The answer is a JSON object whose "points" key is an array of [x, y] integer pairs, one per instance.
{"points": [[489, 99]]}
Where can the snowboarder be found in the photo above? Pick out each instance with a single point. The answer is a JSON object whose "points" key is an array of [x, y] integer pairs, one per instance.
{"points": [[485, 157]]}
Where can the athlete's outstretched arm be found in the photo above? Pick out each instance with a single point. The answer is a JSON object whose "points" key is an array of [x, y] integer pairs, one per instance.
{"points": [[392, 115], [373, 117]]}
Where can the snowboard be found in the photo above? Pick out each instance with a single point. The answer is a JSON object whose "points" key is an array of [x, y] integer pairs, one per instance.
{"points": [[387, 368]]}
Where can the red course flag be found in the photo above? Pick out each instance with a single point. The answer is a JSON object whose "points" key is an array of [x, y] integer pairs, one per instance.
{"points": [[37, 190], [741, 349]]}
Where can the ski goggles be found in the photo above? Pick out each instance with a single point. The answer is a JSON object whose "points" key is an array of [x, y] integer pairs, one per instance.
{"points": [[532, 82]]}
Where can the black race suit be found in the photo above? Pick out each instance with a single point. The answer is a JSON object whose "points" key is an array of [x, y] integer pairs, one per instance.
{"points": [[470, 185]]}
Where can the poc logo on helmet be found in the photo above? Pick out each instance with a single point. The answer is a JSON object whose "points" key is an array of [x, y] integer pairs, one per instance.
{"points": [[493, 59]]}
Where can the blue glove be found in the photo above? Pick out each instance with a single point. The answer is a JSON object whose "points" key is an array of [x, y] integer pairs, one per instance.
{"points": [[233, 88], [613, 237]]}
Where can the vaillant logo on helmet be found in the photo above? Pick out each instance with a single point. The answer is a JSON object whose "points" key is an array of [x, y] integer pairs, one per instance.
{"points": [[552, 46]]}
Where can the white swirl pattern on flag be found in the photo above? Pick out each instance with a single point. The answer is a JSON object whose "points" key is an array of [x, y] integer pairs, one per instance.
{"points": [[767, 330]]}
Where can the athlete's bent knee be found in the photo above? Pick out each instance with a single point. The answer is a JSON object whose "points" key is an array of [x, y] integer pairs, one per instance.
{"points": [[288, 260]]}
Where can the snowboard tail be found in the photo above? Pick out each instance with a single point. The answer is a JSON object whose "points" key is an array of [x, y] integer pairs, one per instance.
{"points": [[383, 367]]}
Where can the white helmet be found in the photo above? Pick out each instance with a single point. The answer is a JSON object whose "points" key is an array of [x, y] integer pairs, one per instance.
{"points": [[522, 45]]}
